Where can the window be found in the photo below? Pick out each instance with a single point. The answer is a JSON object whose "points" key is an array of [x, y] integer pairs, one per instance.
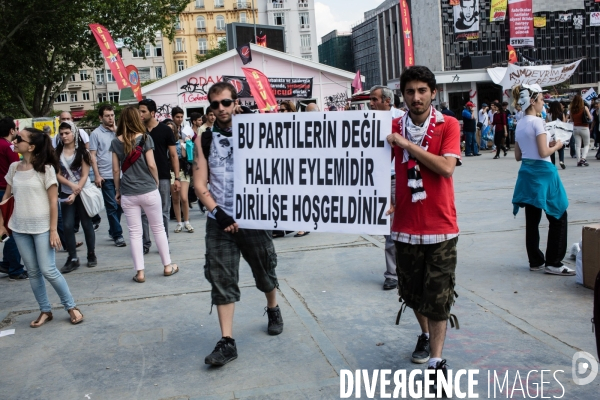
{"points": [[62, 98], [137, 53], [101, 97], [199, 3], [202, 45], [177, 23], [179, 45], [109, 76], [72, 79], [148, 50], [158, 49], [303, 18], [278, 18], [83, 75], [158, 72], [219, 4], [113, 96], [144, 74], [305, 41], [243, 17], [220, 23], [307, 57], [180, 65], [99, 77], [201, 24], [85, 95]]}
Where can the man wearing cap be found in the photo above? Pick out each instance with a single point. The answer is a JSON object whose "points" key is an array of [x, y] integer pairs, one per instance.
{"points": [[469, 124]]}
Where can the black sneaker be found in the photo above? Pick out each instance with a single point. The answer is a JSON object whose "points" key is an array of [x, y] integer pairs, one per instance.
{"points": [[120, 242], [146, 250], [92, 260], [224, 352], [421, 353], [3, 270], [70, 265], [21, 277], [96, 226], [275, 321], [440, 368]]}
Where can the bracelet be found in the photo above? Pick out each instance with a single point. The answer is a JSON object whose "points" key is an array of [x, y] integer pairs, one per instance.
{"points": [[177, 179]]}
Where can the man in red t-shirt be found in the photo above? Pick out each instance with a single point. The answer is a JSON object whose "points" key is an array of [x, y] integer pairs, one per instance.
{"points": [[11, 259], [426, 146]]}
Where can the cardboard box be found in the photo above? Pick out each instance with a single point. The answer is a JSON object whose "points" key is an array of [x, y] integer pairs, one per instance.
{"points": [[590, 254]]}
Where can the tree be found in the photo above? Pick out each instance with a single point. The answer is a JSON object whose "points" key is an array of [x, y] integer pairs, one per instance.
{"points": [[220, 49], [42, 43], [91, 120]]}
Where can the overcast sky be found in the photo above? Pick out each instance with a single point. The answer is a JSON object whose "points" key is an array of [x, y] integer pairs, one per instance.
{"points": [[340, 14]]}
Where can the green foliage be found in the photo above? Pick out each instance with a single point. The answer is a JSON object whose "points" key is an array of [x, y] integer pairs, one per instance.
{"points": [[91, 120], [220, 49], [42, 43], [146, 83]]}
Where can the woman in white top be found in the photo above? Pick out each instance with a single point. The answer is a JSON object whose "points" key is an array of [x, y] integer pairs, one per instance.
{"points": [[33, 183], [538, 185]]}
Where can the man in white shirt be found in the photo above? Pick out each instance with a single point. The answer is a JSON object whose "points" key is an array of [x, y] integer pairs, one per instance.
{"points": [[482, 122]]}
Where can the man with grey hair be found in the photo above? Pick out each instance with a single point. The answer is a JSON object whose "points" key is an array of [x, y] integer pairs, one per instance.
{"points": [[312, 107], [445, 110], [381, 99]]}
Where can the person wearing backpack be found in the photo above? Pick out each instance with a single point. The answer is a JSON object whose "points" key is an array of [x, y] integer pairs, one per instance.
{"points": [[137, 189]]}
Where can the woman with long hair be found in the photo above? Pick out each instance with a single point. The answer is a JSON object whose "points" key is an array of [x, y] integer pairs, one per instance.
{"points": [[180, 198], [538, 185], [557, 114], [33, 183], [579, 114], [137, 189], [500, 127], [74, 161]]}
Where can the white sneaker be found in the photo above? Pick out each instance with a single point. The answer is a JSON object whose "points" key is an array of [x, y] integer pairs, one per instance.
{"points": [[178, 228], [189, 227], [564, 271]]}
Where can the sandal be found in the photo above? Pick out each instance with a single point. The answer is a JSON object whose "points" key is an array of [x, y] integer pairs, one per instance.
{"points": [[38, 322], [174, 270], [139, 280], [75, 320]]}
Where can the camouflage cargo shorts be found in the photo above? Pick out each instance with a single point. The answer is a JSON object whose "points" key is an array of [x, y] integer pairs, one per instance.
{"points": [[426, 277]]}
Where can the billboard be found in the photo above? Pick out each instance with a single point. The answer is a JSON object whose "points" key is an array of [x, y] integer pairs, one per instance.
{"points": [[300, 88], [466, 20], [239, 34]]}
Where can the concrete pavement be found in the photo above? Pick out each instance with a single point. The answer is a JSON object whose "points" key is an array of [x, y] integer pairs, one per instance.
{"points": [[148, 341]]}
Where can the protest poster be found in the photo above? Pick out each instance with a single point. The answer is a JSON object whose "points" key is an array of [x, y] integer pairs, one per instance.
{"points": [[466, 20], [520, 18], [498, 10], [314, 171], [589, 95], [558, 130]]}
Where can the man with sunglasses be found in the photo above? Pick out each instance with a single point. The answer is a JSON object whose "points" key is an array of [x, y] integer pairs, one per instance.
{"points": [[213, 158]]}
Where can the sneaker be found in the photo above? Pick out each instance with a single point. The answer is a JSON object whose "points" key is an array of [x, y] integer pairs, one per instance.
{"points": [[178, 228], [92, 260], [96, 226], [224, 352], [563, 270], [562, 165], [146, 250], [120, 242], [21, 277], [76, 230], [440, 368], [70, 266], [275, 326], [584, 162], [390, 284], [421, 353], [189, 227], [3, 270], [580, 163], [538, 268]]}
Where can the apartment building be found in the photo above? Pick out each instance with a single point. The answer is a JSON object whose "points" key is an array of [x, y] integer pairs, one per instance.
{"points": [[96, 85]]}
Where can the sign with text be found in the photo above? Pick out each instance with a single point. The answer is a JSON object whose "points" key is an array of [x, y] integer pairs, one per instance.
{"points": [[313, 171], [498, 10], [543, 75], [520, 17], [282, 87]]}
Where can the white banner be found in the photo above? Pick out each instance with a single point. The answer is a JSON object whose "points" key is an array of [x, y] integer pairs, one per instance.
{"points": [[543, 75], [590, 95], [559, 130], [313, 171]]}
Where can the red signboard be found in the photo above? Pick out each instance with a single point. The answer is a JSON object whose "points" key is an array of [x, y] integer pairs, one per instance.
{"points": [[133, 76], [520, 17], [409, 52], [261, 90], [111, 55]]}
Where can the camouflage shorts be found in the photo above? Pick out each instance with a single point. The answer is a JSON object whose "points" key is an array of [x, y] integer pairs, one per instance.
{"points": [[426, 277]]}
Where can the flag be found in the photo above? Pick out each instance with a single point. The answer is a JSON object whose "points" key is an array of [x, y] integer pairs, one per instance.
{"points": [[512, 55], [261, 90], [409, 53], [262, 40], [245, 53], [111, 55], [356, 83], [134, 79]]}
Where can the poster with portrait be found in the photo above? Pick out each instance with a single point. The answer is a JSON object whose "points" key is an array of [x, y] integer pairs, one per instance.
{"points": [[466, 20], [578, 21]]}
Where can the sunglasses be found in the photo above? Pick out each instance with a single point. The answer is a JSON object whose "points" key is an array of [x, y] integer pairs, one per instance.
{"points": [[225, 103], [20, 139]]}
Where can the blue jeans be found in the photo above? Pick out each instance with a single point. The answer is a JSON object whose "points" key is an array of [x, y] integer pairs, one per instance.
{"points": [[38, 257], [113, 209], [11, 259], [471, 145]]}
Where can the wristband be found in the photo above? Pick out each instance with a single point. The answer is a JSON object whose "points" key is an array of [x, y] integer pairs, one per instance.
{"points": [[222, 218], [177, 179]]}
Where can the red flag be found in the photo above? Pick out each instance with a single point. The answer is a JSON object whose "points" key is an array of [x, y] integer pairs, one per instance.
{"points": [[262, 40], [356, 83], [134, 79], [409, 52], [512, 55], [111, 55], [261, 90]]}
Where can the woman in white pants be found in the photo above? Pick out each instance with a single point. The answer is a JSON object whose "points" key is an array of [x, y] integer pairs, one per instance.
{"points": [[579, 114]]}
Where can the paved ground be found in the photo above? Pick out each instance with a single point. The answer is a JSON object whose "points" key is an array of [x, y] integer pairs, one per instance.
{"points": [[149, 341]]}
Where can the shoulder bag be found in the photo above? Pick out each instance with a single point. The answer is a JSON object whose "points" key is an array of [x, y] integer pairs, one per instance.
{"points": [[91, 195]]}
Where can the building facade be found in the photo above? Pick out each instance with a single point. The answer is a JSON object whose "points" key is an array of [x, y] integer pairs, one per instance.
{"points": [[335, 50], [200, 27], [365, 47], [96, 85]]}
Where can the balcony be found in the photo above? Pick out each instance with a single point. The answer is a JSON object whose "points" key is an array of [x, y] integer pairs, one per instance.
{"points": [[274, 4], [242, 5], [74, 86], [219, 29], [201, 52], [305, 49], [302, 4], [200, 30], [304, 27], [219, 5]]}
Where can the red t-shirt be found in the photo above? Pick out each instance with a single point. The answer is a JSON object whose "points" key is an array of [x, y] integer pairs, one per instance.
{"points": [[436, 215], [7, 157]]}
